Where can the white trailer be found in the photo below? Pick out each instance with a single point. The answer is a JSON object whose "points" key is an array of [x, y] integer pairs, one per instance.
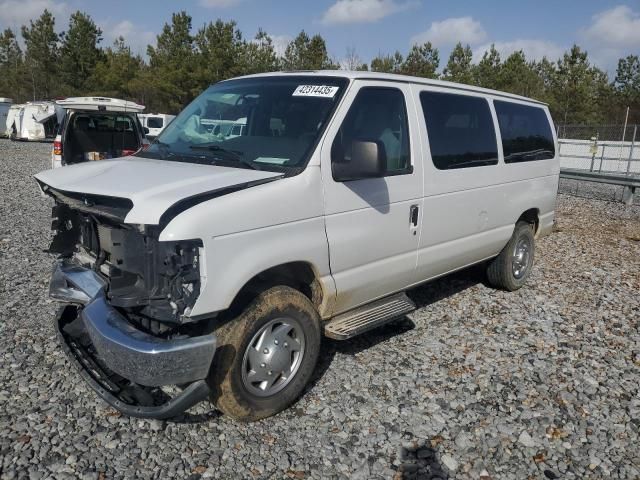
{"points": [[35, 121], [5, 106], [12, 122]]}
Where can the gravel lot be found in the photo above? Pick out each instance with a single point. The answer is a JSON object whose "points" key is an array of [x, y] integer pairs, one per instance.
{"points": [[477, 383]]}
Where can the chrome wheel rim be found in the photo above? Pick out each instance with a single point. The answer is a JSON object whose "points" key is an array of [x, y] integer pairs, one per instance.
{"points": [[521, 257], [273, 357]]}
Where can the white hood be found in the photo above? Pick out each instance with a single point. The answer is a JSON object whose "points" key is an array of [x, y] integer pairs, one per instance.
{"points": [[152, 185]]}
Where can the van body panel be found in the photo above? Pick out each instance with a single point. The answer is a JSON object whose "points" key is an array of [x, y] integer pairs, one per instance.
{"points": [[273, 224], [476, 223]]}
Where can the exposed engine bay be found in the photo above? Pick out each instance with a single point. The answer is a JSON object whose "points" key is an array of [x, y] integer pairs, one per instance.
{"points": [[155, 284]]}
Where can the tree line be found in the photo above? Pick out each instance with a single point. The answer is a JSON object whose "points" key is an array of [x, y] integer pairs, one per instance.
{"points": [[183, 62]]}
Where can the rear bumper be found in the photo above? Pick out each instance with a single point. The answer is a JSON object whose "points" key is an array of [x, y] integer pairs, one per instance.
{"points": [[105, 346]]}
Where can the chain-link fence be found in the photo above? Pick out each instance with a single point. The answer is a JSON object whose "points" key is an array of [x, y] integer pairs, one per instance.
{"points": [[606, 149]]}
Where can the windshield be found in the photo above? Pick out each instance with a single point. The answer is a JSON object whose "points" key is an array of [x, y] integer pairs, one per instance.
{"points": [[263, 123]]}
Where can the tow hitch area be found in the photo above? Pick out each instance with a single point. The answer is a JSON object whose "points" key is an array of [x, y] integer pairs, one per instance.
{"points": [[134, 371]]}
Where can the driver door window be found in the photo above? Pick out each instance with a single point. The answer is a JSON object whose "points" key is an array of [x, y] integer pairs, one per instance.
{"points": [[378, 115]]}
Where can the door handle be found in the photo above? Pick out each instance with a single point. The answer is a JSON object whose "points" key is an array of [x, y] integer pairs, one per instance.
{"points": [[413, 215]]}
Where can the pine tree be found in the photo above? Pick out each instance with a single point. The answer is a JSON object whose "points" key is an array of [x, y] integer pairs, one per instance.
{"points": [[11, 68], [459, 68], [518, 76], [173, 65], [487, 72], [307, 53], [114, 73], [258, 55], [80, 52], [578, 89], [41, 56], [220, 48], [387, 63], [422, 61], [627, 81]]}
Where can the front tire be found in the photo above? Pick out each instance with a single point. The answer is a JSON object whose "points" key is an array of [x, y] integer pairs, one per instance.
{"points": [[510, 270], [266, 355]]}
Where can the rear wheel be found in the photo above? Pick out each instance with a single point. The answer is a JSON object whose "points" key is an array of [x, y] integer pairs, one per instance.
{"points": [[512, 267], [266, 355]]}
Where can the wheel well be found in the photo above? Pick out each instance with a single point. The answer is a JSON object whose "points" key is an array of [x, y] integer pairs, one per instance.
{"points": [[531, 216], [298, 275]]}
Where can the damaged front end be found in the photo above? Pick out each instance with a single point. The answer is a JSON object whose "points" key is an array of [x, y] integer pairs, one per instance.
{"points": [[126, 324], [157, 283]]}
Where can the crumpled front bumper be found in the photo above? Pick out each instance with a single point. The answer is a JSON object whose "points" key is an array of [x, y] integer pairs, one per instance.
{"points": [[105, 345]]}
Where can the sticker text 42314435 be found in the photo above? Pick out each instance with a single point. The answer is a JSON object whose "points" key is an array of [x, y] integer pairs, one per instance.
{"points": [[327, 91]]}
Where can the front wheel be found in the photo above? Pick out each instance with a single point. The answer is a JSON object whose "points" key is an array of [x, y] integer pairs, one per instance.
{"points": [[512, 267], [266, 355]]}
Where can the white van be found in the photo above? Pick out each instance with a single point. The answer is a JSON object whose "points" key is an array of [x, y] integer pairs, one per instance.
{"points": [[217, 263], [5, 106], [155, 123], [97, 128], [34, 121], [12, 123]]}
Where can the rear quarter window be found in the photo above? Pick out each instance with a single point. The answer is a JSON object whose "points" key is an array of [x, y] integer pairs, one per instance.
{"points": [[460, 130], [154, 122], [526, 132]]}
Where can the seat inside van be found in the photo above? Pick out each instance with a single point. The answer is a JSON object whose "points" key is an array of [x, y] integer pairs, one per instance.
{"points": [[96, 137]]}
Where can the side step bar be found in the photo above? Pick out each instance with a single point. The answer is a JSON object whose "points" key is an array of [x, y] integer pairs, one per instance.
{"points": [[368, 317]]}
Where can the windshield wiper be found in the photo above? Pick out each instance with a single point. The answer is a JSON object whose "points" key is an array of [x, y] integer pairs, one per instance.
{"points": [[233, 154]]}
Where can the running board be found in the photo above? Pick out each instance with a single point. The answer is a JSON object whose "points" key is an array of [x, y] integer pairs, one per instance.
{"points": [[368, 317]]}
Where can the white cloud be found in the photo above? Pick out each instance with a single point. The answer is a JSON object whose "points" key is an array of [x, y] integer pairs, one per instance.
{"points": [[363, 11], [134, 35], [533, 49], [15, 13], [618, 27], [450, 31], [218, 3]]}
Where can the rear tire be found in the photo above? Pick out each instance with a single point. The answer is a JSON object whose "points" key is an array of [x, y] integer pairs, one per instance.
{"points": [[512, 267], [266, 355]]}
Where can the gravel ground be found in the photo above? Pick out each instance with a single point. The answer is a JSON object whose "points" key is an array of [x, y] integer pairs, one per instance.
{"points": [[477, 383]]}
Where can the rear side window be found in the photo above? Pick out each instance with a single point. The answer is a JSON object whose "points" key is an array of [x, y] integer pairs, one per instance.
{"points": [[154, 122], [460, 130], [526, 133]]}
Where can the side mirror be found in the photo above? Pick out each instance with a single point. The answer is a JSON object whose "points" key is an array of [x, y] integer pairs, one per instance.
{"points": [[145, 130], [363, 159]]}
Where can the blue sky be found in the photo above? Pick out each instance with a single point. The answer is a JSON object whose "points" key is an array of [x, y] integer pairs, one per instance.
{"points": [[607, 29]]}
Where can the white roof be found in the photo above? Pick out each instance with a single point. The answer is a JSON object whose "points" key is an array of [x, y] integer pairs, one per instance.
{"points": [[156, 115], [38, 104], [394, 77], [100, 104], [6, 100]]}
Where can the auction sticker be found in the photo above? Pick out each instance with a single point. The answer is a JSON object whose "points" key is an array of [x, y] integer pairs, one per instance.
{"points": [[326, 91]]}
